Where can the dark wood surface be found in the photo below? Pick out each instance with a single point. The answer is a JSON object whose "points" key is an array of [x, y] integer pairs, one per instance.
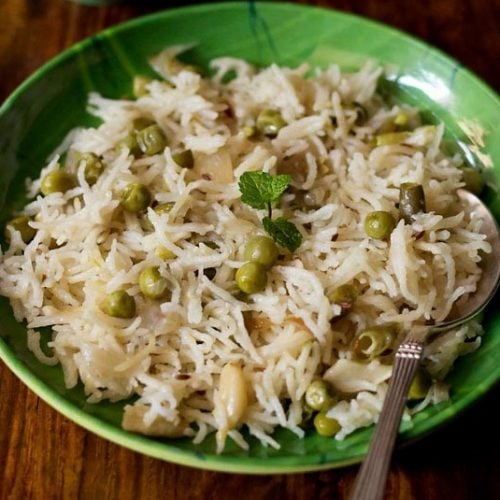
{"points": [[43, 455]]}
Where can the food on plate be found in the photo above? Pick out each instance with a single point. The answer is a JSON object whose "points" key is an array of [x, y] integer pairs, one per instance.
{"points": [[246, 253]]}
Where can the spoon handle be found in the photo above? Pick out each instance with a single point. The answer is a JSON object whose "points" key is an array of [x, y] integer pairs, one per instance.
{"points": [[371, 479]]}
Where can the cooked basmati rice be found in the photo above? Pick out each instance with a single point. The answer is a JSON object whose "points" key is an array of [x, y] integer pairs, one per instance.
{"points": [[171, 354]]}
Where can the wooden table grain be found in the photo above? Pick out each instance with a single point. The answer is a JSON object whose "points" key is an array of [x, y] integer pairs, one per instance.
{"points": [[44, 456]]}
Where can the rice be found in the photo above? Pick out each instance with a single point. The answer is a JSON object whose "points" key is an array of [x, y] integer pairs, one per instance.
{"points": [[171, 354]]}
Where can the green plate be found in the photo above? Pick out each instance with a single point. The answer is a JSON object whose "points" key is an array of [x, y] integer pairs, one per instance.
{"points": [[35, 118]]}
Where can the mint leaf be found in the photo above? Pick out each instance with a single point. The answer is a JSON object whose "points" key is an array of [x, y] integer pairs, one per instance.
{"points": [[283, 232], [262, 190]]}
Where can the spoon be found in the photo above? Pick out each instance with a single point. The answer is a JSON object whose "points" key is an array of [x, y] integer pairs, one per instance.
{"points": [[372, 476]]}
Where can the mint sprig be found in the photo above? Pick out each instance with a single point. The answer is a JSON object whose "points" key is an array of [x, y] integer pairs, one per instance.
{"points": [[283, 232], [261, 190]]}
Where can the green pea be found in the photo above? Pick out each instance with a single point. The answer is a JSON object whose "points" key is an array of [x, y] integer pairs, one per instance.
{"points": [[401, 119], [305, 200], [251, 277], [184, 159], [119, 304], [249, 131], [420, 385], [21, 224], [235, 291], [141, 123], [318, 396], [135, 198], [162, 208], [474, 181], [411, 201], [139, 85], [379, 224], [93, 167], [269, 122], [262, 250], [57, 181], [374, 341], [326, 426], [391, 138], [152, 284], [164, 253], [151, 140], [344, 296], [130, 142]]}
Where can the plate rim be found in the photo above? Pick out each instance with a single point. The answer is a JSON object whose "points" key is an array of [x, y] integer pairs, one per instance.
{"points": [[168, 451]]}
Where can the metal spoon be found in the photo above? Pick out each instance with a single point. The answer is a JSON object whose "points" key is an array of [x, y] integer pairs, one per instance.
{"points": [[371, 479]]}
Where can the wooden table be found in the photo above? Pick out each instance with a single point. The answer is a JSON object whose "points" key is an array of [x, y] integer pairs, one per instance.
{"points": [[43, 455]]}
